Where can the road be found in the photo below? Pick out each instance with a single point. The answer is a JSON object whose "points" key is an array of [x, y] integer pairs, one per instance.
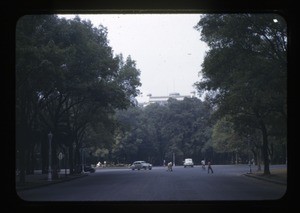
{"points": [[227, 183]]}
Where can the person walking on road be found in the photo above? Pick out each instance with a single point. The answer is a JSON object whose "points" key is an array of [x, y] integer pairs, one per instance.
{"points": [[203, 164], [170, 165], [209, 167]]}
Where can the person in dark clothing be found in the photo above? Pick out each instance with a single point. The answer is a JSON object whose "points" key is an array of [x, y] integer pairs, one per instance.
{"points": [[209, 167]]}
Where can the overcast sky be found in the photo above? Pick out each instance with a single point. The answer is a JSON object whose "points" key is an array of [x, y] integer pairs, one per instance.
{"points": [[166, 48]]}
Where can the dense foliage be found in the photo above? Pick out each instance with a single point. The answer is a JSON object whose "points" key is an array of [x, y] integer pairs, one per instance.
{"points": [[68, 82], [159, 132], [246, 70]]}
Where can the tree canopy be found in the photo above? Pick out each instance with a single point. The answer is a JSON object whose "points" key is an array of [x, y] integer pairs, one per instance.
{"points": [[68, 82], [246, 67], [157, 132]]}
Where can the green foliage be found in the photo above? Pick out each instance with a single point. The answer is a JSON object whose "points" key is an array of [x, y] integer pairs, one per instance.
{"points": [[128, 78], [246, 68], [156, 132], [69, 82], [224, 137]]}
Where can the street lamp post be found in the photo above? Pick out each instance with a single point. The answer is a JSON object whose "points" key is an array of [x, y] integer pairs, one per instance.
{"points": [[50, 152]]}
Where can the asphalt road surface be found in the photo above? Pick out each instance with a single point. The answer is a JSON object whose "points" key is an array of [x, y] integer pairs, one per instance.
{"points": [[227, 183]]}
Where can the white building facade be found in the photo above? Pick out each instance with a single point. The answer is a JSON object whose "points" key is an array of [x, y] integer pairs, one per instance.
{"points": [[162, 100]]}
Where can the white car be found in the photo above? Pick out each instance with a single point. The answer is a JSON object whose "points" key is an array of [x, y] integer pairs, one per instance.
{"points": [[141, 165], [188, 162]]}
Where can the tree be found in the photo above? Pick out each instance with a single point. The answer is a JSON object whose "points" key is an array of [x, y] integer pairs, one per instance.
{"points": [[65, 74], [30, 78], [185, 127], [246, 67], [226, 140], [157, 132]]}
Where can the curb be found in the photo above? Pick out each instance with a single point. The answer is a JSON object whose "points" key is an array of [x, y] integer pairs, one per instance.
{"points": [[22, 188], [266, 179]]}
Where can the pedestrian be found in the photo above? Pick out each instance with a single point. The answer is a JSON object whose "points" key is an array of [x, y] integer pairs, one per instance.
{"points": [[170, 165], [209, 167], [203, 164]]}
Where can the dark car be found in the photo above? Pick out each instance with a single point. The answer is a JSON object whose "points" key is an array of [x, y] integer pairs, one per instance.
{"points": [[86, 169], [89, 169]]}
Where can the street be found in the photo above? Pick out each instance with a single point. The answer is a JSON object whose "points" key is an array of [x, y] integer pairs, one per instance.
{"points": [[227, 183]]}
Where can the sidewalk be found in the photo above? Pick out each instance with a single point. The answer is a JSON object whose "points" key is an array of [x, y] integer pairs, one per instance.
{"points": [[278, 176], [38, 180]]}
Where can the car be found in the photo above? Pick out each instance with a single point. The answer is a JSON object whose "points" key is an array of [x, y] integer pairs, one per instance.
{"points": [[188, 162], [141, 165], [89, 169]]}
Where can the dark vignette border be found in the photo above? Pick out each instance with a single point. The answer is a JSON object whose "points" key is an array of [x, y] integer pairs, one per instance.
{"points": [[11, 11]]}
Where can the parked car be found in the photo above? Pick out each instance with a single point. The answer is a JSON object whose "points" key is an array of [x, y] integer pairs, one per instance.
{"points": [[188, 162], [89, 169], [140, 165]]}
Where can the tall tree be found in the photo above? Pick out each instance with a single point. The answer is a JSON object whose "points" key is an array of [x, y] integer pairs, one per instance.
{"points": [[65, 72], [246, 66]]}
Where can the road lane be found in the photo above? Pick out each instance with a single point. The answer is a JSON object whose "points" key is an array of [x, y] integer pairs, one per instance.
{"points": [[183, 184]]}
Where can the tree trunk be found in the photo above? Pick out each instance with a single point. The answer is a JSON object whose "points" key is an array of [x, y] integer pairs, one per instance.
{"points": [[71, 159], [265, 149], [22, 166], [54, 159], [255, 156], [32, 160], [44, 155], [259, 159]]}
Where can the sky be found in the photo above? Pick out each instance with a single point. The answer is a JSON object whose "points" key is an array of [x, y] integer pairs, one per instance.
{"points": [[166, 48]]}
